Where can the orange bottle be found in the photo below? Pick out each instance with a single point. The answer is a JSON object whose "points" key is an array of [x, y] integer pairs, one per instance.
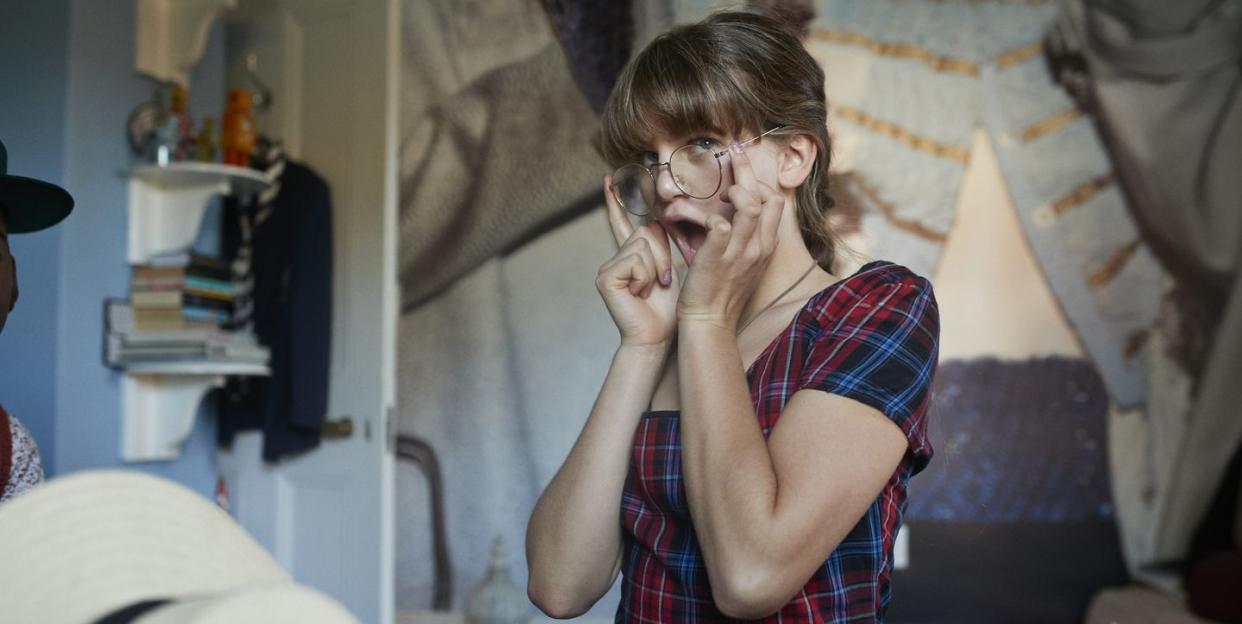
{"points": [[237, 131]]}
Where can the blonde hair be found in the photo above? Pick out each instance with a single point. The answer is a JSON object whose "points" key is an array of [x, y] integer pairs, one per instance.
{"points": [[732, 72]]}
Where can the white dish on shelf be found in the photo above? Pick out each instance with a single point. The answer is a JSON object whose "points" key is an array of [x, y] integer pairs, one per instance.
{"points": [[183, 174]]}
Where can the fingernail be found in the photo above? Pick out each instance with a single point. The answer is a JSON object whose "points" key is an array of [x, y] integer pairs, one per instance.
{"points": [[667, 278], [736, 147]]}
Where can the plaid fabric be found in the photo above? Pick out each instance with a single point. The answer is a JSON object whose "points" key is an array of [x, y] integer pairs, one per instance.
{"points": [[871, 337]]}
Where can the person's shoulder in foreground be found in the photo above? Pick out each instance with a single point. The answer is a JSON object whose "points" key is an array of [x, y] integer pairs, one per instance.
{"points": [[18, 450]]}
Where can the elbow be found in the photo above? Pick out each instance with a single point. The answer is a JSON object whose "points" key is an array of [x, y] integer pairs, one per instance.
{"points": [[556, 602], [749, 594], [561, 586]]}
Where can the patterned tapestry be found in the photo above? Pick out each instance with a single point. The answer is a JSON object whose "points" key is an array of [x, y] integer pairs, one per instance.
{"points": [[504, 340]]}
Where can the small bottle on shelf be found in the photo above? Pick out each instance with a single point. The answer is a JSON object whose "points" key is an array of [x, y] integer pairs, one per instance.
{"points": [[178, 101], [237, 133], [166, 139], [205, 144]]}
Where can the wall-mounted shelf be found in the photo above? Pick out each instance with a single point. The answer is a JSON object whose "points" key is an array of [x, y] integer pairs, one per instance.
{"points": [[166, 203], [159, 400]]}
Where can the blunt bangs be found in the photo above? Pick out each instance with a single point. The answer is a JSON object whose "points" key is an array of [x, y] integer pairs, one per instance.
{"points": [[676, 87]]}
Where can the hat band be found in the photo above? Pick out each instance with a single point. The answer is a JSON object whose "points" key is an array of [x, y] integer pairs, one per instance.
{"points": [[128, 614]]}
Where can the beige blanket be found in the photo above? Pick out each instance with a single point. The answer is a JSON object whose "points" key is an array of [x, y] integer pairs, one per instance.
{"points": [[488, 167]]}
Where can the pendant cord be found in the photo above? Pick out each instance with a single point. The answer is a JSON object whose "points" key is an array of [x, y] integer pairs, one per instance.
{"points": [[778, 298]]}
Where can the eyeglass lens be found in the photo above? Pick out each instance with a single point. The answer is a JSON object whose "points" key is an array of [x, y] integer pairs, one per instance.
{"points": [[694, 169]]}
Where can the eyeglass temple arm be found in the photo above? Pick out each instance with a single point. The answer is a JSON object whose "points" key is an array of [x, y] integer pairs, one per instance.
{"points": [[749, 141]]}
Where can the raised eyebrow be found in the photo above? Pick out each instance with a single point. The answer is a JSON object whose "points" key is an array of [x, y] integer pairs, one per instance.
{"points": [[703, 133]]}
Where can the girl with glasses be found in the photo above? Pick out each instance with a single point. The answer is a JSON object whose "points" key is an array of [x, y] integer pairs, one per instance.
{"points": [[749, 451]]}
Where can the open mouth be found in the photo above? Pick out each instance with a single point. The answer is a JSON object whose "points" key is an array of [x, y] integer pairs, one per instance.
{"points": [[688, 236]]}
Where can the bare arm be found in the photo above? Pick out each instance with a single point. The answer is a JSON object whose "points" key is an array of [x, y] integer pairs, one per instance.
{"points": [[573, 542]]}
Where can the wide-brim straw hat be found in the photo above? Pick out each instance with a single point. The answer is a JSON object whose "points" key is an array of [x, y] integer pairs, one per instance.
{"points": [[122, 546]]}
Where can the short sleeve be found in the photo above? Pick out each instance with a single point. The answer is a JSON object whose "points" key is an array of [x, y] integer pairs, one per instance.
{"points": [[880, 347], [27, 468]]}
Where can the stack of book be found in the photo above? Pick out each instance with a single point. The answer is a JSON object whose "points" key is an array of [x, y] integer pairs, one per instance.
{"points": [[181, 291], [179, 307]]}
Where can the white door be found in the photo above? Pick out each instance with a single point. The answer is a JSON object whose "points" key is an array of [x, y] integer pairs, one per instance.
{"points": [[327, 516]]}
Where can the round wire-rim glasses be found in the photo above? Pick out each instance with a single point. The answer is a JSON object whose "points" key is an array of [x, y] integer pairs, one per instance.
{"points": [[688, 166]]}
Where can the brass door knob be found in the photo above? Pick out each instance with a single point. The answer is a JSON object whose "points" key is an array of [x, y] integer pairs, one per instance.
{"points": [[337, 429]]}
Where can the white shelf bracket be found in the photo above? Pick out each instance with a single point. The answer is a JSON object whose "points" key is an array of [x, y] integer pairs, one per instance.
{"points": [[166, 203], [155, 228], [158, 413], [172, 35]]}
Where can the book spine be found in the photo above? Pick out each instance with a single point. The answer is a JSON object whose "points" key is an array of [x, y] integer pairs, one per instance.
{"points": [[224, 287], [189, 300], [204, 314], [156, 283]]}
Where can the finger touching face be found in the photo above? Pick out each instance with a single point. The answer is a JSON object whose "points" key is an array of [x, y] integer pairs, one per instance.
{"points": [[739, 164], [618, 221], [654, 234], [759, 205]]}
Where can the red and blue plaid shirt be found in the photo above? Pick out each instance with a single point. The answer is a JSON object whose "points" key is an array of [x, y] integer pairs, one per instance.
{"points": [[871, 337]]}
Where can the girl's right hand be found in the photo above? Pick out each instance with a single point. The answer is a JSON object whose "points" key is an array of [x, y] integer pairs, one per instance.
{"points": [[638, 283]]}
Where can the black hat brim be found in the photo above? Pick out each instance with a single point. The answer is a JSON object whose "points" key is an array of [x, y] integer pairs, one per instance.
{"points": [[30, 205]]}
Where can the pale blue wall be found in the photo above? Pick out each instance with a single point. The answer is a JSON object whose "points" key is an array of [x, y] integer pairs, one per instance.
{"points": [[77, 85], [33, 47]]}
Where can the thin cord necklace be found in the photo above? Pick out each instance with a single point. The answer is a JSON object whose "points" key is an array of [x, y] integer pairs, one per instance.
{"points": [[778, 298]]}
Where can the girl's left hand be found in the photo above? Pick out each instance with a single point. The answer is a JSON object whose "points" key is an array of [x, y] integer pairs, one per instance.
{"points": [[729, 264]]}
